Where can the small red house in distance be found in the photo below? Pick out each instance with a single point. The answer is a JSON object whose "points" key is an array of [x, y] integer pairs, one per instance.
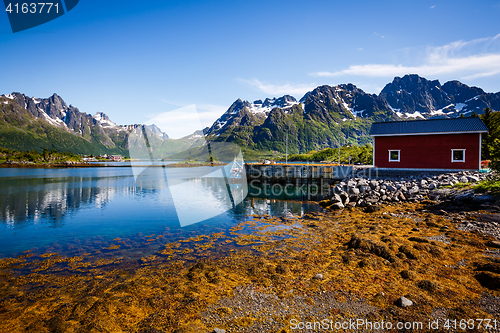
{"points": [[428, 144]]}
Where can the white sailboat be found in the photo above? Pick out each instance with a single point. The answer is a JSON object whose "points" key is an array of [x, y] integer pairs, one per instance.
{"points": [[237, 167]]}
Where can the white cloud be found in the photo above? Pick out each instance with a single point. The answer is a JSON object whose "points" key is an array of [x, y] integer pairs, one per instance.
{"points": [[209, 113], [178, 123], [464, 59], [284, 89], [186, 119]]}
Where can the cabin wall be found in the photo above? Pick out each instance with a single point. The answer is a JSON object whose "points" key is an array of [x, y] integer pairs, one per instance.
{"points": [[428, 151]]}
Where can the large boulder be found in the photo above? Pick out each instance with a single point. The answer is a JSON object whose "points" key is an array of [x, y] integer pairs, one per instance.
{"points": [[344, 198], [336, 198]]}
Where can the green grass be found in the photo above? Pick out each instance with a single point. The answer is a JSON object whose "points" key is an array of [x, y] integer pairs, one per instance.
{"points": [[463, 185], [358, 154], [46, 157], [490, 185]]}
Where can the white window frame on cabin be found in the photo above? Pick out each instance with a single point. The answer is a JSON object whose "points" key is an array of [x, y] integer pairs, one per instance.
{"points": [[454, 160], [399, 155]]}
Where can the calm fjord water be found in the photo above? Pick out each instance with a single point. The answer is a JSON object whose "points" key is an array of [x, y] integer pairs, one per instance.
{"points": [[77, 210]]}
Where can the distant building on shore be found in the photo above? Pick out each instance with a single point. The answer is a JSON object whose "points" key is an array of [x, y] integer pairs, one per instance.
{"points": [[115, 158], [428, 144]]}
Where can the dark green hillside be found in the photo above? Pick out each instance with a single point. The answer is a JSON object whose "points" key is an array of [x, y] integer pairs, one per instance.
{"points": [[22, 131], [305, 131]]}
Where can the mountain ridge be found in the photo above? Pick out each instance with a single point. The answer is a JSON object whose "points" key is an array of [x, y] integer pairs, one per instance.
{"points": [[31, 123], [330, 116], [327, 116]]}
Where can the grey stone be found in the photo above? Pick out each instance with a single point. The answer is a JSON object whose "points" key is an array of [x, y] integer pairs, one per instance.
{"points": [[473, 179], [391, 188], [479, 199], [364, 188], [494, 244], [423, 182], [432, 186], [336, 198], [414, 190], [219, 330], [362, 203], [372, 199], [353, 190], [372, 209], [464, 179], [318, 276], [337, 205], [362, 182], [404, 302], [344, 198], [464, 197]]}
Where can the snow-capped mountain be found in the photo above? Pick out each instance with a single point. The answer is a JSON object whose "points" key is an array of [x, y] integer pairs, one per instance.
{"points": [[244, 113], [417, 97], [327, 116], [95, 129], [335, 115]]}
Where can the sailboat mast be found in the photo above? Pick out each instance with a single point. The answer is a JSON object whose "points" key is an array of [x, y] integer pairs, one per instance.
{"points": [[286, 153]]}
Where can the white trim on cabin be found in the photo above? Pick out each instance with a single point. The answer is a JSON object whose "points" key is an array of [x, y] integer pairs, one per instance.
{"points": [[436, 133], [399, 155], [456, 150], [480, 152], [373, 163]]}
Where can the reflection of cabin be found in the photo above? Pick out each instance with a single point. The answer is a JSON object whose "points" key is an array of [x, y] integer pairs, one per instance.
{"points": [[115, 158], [428, 144]]}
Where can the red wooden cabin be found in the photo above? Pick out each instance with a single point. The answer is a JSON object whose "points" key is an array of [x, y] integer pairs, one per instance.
{"points": [[428, 144]]}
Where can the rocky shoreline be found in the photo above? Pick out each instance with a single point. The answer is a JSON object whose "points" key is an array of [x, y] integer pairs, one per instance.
{"points": [[369, 193], [65, 164]]}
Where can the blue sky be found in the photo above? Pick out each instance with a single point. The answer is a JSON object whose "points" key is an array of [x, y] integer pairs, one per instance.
{"points": [[135, 60]]}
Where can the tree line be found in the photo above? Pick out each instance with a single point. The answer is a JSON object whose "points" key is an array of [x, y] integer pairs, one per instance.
{"points": [[46, 156], [490, 149]]}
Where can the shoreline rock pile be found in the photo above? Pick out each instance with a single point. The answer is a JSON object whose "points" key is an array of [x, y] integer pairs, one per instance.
{"points": [[366, 192]]}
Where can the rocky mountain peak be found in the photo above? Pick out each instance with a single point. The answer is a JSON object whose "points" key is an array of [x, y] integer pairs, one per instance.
{"points": [[415, 96], [461, 92], [156, 130]]}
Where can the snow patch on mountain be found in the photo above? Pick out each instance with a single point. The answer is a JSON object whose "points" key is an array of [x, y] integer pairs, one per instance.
{"points": [[441, 111], [54, 121], [103, 120], [459, 106], [415, 114]]}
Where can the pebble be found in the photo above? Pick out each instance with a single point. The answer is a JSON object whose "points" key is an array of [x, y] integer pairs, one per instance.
{"points": [[404, 302], [219, 330], [318, 276]]}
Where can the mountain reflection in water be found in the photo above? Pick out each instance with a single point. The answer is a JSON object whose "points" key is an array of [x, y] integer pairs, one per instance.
{"points": [[40, 207]]}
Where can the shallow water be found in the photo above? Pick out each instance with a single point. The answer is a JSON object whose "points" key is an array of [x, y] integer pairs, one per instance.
{"points": [[76, 210]]}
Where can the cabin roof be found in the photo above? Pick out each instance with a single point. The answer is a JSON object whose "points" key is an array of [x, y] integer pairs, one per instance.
{"points": [[431, 126]]}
